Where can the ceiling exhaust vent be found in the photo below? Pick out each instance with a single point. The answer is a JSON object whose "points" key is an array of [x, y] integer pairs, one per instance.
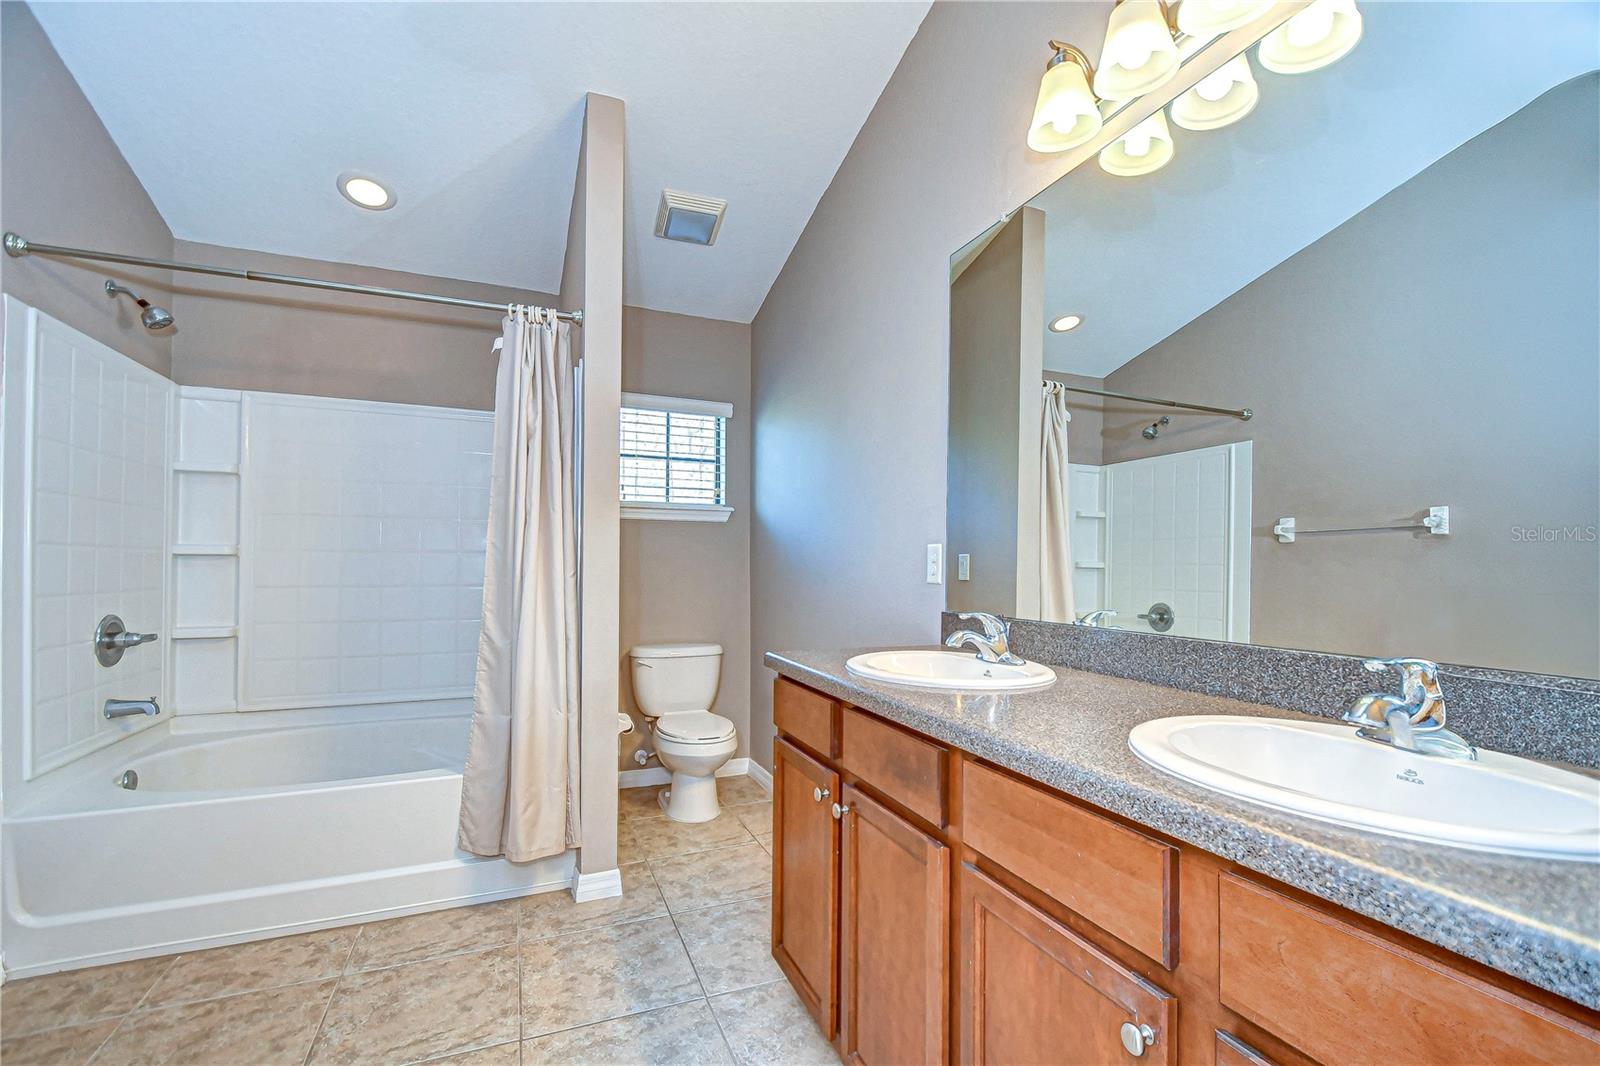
{"points": [[693, 219]]}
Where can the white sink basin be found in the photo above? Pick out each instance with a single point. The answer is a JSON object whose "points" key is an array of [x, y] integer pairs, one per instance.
{"points": [[1499, 803], [948, 669]]}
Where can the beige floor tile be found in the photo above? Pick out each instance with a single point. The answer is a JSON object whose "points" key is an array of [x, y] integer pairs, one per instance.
{"points": [[756, 817], [767, 1026], [427, 936], [765, 840], [603, 973], [636, 802], [691, 881], [657, 838], [686, 1034], [498, 1055], [260, 1028], [288, 960], [731, 945], [554, 913], [71, 1046], [734, 791], [36, 1003], [422, 1010]]}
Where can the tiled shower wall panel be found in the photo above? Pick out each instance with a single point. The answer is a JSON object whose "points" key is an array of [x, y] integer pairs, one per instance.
{"points": [[362, 550], [98, 423]]}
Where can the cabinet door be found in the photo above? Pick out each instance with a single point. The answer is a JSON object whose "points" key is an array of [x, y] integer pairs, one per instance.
{"points": [[1033, 991], [894, 941], [805, 880]]}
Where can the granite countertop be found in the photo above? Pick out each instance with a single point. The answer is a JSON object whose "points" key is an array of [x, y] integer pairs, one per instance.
{"points": [[1536, 919]]}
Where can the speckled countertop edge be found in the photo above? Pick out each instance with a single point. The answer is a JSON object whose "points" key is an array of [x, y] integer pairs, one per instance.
{"points": [[1538, 920]]}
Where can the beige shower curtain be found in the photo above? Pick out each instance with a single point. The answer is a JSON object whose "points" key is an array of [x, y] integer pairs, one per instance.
{"points": [[1055, 520], [519, 795]]}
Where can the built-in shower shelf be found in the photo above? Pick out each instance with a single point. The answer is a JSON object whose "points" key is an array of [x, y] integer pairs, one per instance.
{"points": [[204, 632], [1091, 514], [205, 468], [205, 549], [1090, 566]]}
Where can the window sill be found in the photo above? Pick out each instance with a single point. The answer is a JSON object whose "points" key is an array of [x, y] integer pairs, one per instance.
{"points": [[677, 512]]}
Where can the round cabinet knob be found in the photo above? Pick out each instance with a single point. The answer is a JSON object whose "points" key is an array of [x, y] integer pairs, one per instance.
{"points": [[820, 794], [839, 811], [1135, 1038]]}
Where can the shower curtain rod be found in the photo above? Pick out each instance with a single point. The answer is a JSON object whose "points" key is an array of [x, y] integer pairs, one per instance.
{"points": [[1243, 414], [17, 246]]}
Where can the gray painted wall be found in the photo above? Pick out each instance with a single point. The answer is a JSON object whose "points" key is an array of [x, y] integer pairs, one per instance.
{"points": [[851, 348], [690, 581], [1441, 347], [64, 181]]}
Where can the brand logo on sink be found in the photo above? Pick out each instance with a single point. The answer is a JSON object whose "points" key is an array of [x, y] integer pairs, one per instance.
{"points": [[1410, 777]]}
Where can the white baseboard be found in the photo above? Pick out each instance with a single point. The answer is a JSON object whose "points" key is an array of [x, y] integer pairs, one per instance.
{"points": [[660, 775], [604, 884]]}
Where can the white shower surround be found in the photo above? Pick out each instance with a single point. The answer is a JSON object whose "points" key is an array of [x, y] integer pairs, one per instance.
{"points": [[226, 839]]}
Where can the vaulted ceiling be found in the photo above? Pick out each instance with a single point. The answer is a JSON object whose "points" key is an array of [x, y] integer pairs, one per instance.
{"points": [[238, 118]]}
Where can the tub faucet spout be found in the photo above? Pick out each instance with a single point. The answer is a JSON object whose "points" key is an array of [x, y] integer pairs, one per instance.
{"points": [[125, 708]]}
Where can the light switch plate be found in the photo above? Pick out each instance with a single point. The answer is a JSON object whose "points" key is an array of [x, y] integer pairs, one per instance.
{"points": [[936, 564], [963, 567]]}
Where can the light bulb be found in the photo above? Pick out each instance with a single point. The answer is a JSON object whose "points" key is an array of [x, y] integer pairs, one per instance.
{"points": [[1139, 54], [1207, 18], [1214, 86], [1309, 26], [1321, 33], [1065, 114], [1221, 98], [1142, 150]]}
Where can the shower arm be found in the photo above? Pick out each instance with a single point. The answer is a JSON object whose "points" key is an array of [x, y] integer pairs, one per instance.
{"points": [[18, 246]]}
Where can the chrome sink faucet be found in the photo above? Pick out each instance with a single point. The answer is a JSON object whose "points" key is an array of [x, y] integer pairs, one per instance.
{"points": [[1097, 619], [993, 645], [1412, 721]]}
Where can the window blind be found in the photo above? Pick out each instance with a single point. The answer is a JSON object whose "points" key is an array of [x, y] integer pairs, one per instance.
{"points": [[673, 456]]}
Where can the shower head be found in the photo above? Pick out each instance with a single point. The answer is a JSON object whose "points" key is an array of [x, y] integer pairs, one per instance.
{"points": [[151, 316], [1151, 431]]}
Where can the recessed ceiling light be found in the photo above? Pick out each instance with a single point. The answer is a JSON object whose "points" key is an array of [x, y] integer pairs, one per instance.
{"points": [[1066, 322], [365, 192]]}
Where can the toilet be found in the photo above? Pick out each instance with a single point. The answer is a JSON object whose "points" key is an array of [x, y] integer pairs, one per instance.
{"points": [[675, 685]]}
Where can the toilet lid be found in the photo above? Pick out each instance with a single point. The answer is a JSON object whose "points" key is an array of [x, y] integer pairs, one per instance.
{"points": [[694, 725]]}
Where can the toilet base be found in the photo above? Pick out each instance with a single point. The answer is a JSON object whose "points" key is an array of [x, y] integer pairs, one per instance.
{"points": [[691, 798]]}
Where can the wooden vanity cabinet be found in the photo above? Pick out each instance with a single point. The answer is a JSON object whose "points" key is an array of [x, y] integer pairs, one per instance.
{"points": [[953, 911]]}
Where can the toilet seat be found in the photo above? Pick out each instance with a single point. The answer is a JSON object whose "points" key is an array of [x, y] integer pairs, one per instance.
{"points": [[694, 727]]}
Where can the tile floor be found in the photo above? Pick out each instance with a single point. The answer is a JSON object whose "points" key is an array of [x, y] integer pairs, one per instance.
{"points": [[677, 970]]}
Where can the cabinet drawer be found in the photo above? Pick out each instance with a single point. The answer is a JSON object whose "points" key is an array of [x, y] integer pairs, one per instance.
{"points": [[804, 715], [906, 768], [1120, 880], [1231, 1051], [1341, 994]]}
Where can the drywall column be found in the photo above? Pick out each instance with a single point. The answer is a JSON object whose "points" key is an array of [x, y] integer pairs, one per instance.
{"points": [[592, 279]]}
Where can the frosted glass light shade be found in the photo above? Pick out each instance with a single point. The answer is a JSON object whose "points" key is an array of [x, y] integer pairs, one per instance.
{"points": [[1207, 18], [1139, 54], [1221, 98], [1317, 35], [1142, 150], [1065, 115]]}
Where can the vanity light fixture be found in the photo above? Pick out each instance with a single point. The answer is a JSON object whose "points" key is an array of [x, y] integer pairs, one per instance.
{"points": [[1144, 149], [1208, 18], [1139, 54], [1066, 113], [1065, 322], [1319, 34], [1221, 98], [365, 192]]}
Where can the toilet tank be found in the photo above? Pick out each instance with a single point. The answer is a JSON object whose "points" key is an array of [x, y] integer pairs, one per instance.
{"points": [[669, 678]]}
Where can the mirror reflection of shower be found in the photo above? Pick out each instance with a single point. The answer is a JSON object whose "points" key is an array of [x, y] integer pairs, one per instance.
{"points": [[1153, 430], [150, 316]]}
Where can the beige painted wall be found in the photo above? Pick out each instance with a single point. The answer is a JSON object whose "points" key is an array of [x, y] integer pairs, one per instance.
{"points": [[690, 581], [245, 335], [996, 358], [591, 278], [1441, 347], [64, 181]]}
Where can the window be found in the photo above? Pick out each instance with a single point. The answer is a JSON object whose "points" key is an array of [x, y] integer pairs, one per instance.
{"points": [[674, 458]]}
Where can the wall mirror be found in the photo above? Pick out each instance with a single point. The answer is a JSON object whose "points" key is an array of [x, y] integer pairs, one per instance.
{"points": [[1328, 378]]}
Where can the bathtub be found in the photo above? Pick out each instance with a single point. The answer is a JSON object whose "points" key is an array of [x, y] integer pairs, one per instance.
{"points": [[246, 826]]}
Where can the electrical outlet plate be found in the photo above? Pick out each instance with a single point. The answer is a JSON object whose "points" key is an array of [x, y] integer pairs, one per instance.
{"points": [[936, 564], [963, 567]]}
